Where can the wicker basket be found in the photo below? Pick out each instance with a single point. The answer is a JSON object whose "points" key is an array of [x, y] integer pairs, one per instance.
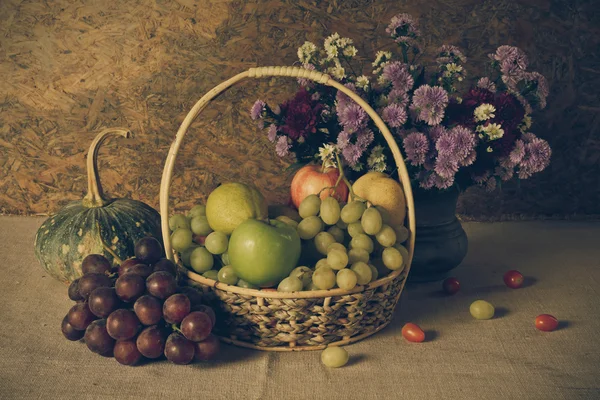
{"points": [[308, 320]]}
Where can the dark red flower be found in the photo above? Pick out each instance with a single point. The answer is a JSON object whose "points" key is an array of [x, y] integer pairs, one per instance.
{"points": [[476, 97], [460, 114], [301, 115], [509, 112]]}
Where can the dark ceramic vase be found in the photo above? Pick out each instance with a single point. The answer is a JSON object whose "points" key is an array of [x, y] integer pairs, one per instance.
{"points": [[441, 242]]}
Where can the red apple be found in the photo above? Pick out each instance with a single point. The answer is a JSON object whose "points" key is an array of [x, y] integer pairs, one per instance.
{"points": [[310, 180]]}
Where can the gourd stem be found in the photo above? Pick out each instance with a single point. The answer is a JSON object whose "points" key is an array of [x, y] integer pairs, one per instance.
{"points": [[94, 196]]}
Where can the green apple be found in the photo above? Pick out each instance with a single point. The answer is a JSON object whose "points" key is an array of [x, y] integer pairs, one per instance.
{"points": [[263, 253]]}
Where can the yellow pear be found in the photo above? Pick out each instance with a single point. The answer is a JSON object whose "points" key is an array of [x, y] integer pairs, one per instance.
{"points": [[385, 192], [231, 204]]}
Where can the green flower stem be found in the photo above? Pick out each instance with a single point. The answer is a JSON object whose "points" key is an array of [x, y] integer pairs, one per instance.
{"points": [[353, 196], [176, 328], [107, 247]]}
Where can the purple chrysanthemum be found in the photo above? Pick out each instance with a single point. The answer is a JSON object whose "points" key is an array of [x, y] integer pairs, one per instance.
{"points": [[465, 141], [282, 147], [343, 139], [352, 117], [394, 115], [272, 133], [435, 132], [257, 109], [446, 165], [342, 100], [486, 83], [398, 74], [416, 147], [364, 138], [517, 153], [430, 103], [536, 158], [450, 54], [352, 152], [541, 91], [303, 81], [403, 28], [399, 97], [512, 55], [454, 146]]}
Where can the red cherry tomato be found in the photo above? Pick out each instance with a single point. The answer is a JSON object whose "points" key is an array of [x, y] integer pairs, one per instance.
{"points": [[451, 285], [546, 322], [513, 279], [413, 333]]}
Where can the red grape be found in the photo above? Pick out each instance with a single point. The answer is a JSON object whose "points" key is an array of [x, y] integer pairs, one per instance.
{"points": [[176, 308], [208, 348], [97, 338], [413, 333], [161, 284], [80, 316], [143, 270], [89, 282], [148, 310], [546, 322], [151, 342], [193, 294], [207, 310], [70, 332], [148, 250], [74, 291], [451, 285], [196, 326], [165, 265], [122, 324], [103, 301], [130, 286], [95, 264], [130, 262], [513, 279], [178, 349], [126, 352]]}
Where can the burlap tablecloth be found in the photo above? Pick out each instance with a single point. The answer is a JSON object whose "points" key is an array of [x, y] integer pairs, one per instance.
{"points": [[502, 358]]}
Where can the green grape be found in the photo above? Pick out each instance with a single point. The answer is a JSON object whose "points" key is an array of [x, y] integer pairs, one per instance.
{"points": [[311, 286], [201, 260], [352, 211], [386, 236], [341, 224], [225, 258], [287, 220], [324, 278], [401, 233], [385, 215], [371, 221], [198, 210], [355, 229], [178, 221], [310, 206], [481, 309], [227, 275], [382, 270], [330, 211], [337, 259], [338, 246], [363, 272], [290, 284], [392, 258], [337, 233], [362, 241], [185, 255], [403, 250], [211, 274], [321, 263], [181, 239], [334, 357], [304, 274], [322, 242], [309, 227], [358, 254], [346, 279], [374, 272], [200, 226], [243, 284], [216, 243]]}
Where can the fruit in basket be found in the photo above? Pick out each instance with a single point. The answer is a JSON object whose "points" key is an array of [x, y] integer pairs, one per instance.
{"points": [[79, 229], [385, 192], [231, 204], [311, 179], [277, 210], [264, 253]]}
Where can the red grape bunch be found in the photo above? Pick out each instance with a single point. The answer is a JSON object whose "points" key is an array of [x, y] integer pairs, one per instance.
{"points": [[137, 311]]}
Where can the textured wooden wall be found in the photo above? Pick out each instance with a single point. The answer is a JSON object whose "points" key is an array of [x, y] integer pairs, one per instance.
{"points": [[72, 67]]}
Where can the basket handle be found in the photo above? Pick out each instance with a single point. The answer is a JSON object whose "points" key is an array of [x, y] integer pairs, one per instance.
{"points": [[293, 72]]}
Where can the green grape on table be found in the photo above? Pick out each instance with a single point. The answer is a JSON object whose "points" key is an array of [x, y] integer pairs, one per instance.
{"points": [[198, 210], [481, 309], [330, 211], [334, 357], [322, 242], [287, 220], [401, 233], [199, 226], [386, 236], [324, 278], [243, 284], [321, 263], [181, 239], [363, 272], [355, 229], [346, 279], [290, 284], [337, 233], [187, 253], [352, 211], [178, 221], [201, 260], [374, 272], [337, 246], [211, 274], [309, 227], [310, 206], [216, 243], [337, 259], [304, 274], [227, 275], [358, 254], [362, 241], [392, 258], [371, 221]]}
